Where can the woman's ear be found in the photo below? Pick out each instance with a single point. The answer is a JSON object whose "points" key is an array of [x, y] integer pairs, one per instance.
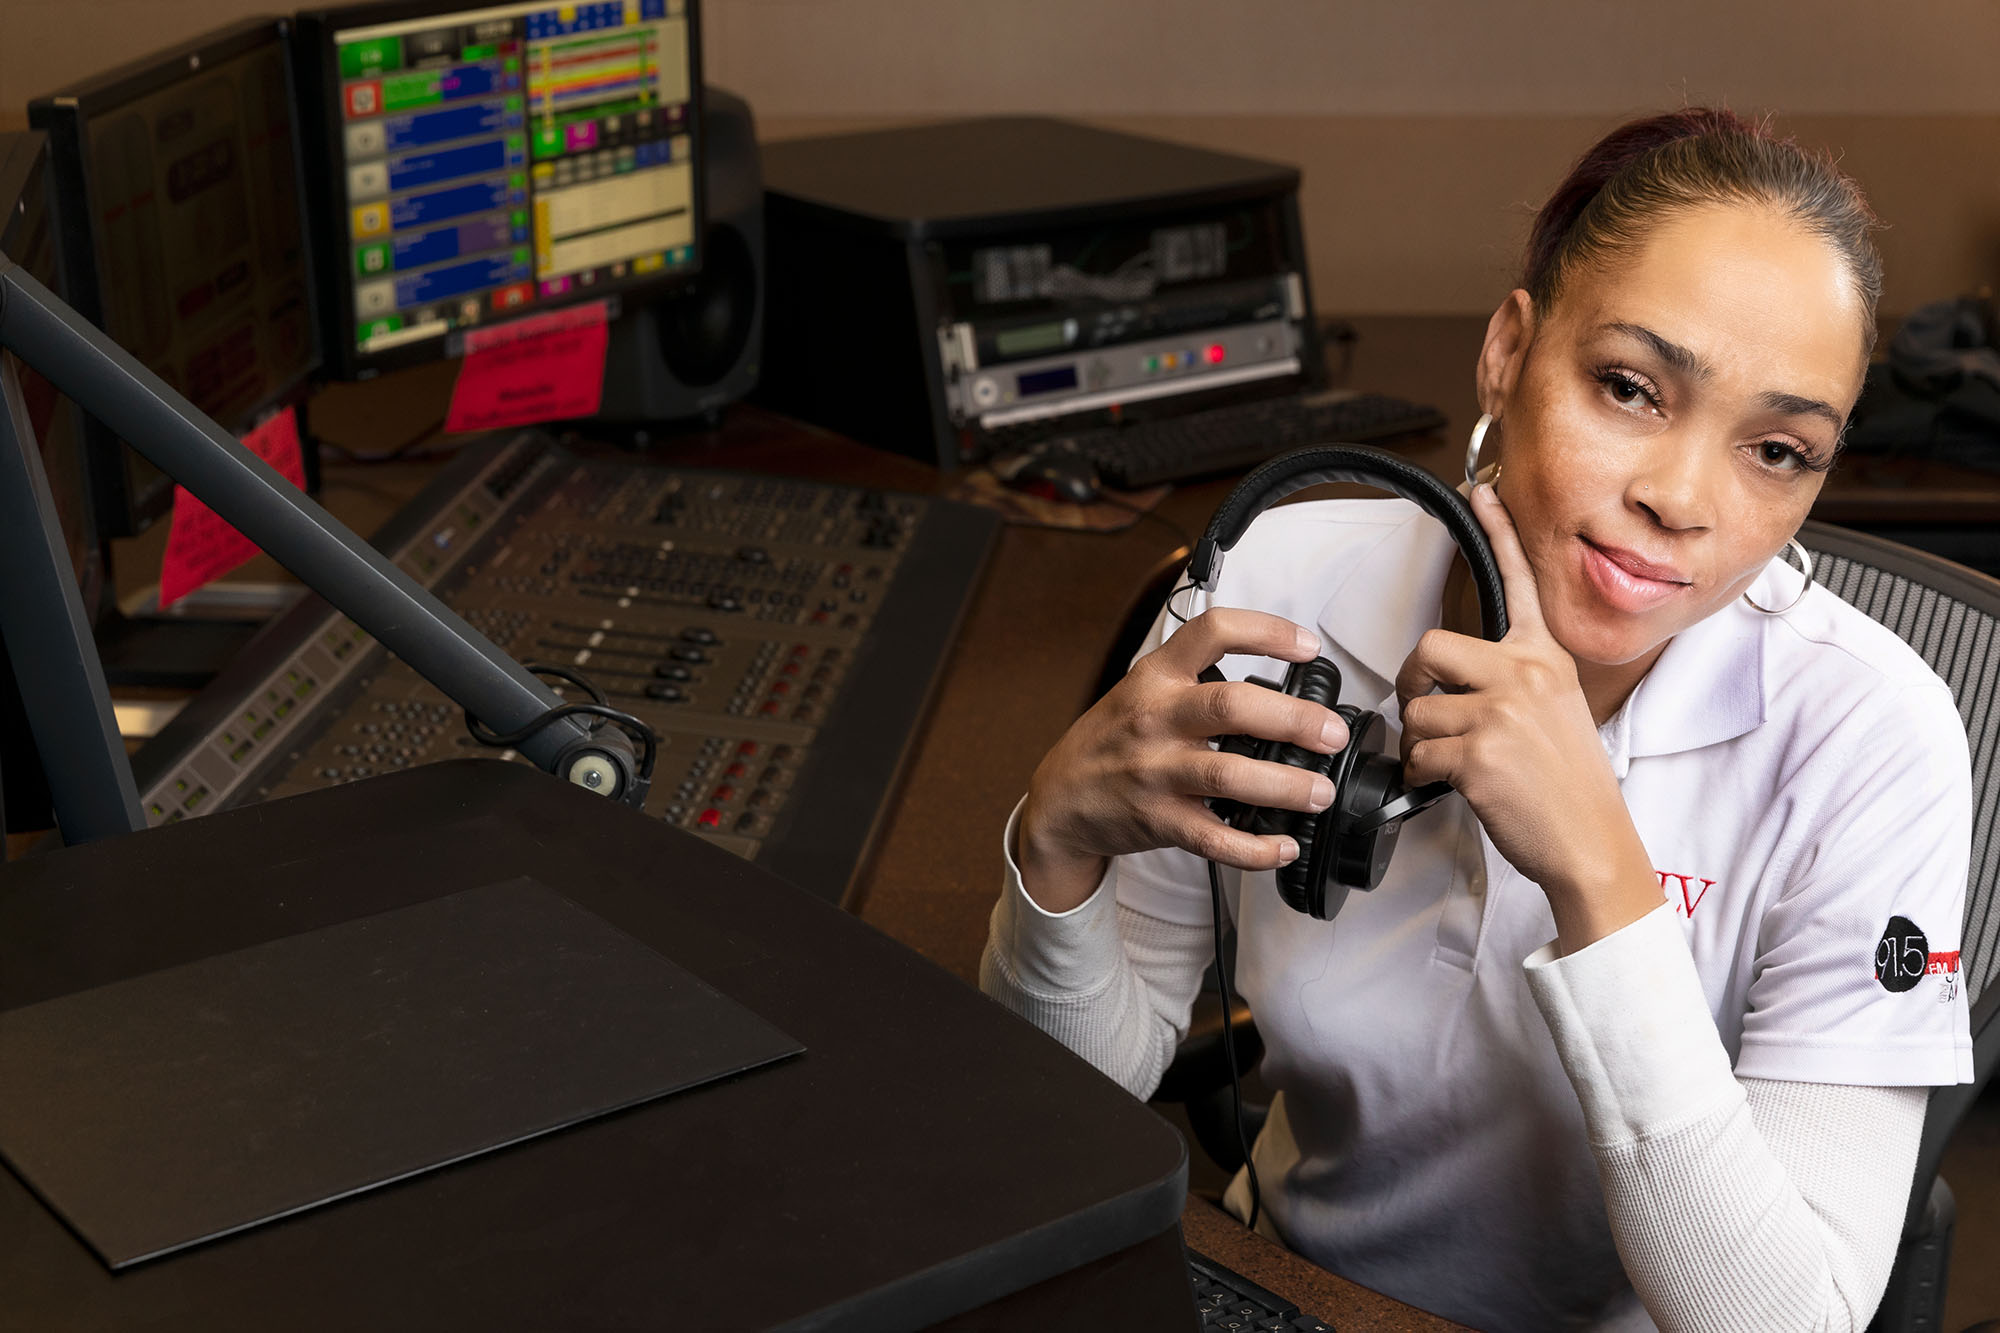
{"points": [[1508, 335]]}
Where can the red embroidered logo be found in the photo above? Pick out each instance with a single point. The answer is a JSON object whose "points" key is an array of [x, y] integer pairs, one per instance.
{"points": [[1680, 890]]}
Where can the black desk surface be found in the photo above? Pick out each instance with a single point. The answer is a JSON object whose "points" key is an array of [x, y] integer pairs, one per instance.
{"points": [[928, 1153]]}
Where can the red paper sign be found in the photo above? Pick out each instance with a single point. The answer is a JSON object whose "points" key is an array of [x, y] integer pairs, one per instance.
{"points": [[200, 546], [541, 368]]}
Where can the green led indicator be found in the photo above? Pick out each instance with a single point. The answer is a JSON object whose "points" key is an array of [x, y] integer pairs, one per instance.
{"points": [[521, 255], [472, 53], [517, 180], [519, 217]]}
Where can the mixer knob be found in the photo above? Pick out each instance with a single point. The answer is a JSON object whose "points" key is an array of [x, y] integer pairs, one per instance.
{"points": [[697, 634], [722, 601], [755, 555], [659, 689], [681, 653], [671, 671]]}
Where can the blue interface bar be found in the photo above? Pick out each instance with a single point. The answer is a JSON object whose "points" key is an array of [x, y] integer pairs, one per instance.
{"points": [[418, 129], [473, 275], [474, 159], [442, 205]]}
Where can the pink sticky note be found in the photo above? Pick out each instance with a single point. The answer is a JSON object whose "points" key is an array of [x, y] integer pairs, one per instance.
{"points": [[201, 547], [541, 368]]}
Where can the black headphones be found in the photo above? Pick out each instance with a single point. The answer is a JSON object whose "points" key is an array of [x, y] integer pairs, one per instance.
{"points": [[1347, 845]]}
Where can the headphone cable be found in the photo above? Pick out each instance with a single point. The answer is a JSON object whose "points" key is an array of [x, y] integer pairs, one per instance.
{"points": [[1229, 1047]]}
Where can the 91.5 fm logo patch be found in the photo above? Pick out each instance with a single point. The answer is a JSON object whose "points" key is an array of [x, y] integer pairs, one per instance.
{"points": [[1903, 957]]}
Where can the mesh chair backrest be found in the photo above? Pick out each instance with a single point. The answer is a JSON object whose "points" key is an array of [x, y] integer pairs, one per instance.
{"points": [[1961, 641]]}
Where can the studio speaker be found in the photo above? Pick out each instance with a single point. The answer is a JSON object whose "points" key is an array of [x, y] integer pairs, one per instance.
{"points": [[693, 353]]}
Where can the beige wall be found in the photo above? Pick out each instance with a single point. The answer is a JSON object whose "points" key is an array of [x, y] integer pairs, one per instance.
{"points": [[1426, 128]]}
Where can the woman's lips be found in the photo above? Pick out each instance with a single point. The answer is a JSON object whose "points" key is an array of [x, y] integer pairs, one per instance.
{"points": [[1627, 581]]}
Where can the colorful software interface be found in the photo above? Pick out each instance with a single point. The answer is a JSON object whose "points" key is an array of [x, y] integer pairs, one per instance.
{"points": [[500, 157]]}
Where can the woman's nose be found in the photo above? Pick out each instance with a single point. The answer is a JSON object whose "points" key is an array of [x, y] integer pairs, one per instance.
{"points": [[1674, 483]]}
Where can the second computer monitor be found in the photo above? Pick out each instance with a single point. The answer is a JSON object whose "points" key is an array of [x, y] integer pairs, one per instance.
{"points": [[179, 200], [484, 162]]}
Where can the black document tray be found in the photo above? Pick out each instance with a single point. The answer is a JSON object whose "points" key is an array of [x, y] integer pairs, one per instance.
{"points": [[185, 1104]]}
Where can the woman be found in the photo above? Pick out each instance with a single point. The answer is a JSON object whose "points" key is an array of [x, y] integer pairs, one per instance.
{"points": [[1638, 1028]]}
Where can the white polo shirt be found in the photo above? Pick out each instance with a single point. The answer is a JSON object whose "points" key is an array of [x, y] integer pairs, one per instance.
{"points": [[1802, 784]]}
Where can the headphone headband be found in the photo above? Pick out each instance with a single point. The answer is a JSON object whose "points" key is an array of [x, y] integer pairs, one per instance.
{"points": [[1320, 464]]}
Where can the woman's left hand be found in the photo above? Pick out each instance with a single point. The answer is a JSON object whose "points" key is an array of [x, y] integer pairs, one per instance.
{"points": [[1517, 740]]}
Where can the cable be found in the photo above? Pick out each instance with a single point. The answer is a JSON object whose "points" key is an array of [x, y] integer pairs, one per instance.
{"points": [[394, 453], [1229, 1047], [648, 739], [1186, 543]]}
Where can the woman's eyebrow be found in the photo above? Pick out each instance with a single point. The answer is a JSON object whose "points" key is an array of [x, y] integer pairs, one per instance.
{"points": [[1689, 363], [1680, 358], [1793, 405]]}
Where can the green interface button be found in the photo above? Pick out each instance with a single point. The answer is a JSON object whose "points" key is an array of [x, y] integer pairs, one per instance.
{"points": [[359, 59], [548, 141], [420, 88], [472, 53], [371, 259], [375, 327]]}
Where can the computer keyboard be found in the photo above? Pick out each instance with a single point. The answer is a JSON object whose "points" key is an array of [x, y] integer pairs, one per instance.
{"points": [[1232, 1303], [1238, 437]]}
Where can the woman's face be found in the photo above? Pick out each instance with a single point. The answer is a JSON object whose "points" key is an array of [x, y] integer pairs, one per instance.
{"points": [[1666, 426]]}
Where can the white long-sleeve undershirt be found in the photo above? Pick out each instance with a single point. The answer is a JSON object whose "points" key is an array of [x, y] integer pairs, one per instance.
{"points": [[1734, 1203]]}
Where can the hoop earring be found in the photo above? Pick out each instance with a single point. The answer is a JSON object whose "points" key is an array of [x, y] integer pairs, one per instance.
{"points": [[1805, 560], [1479, 429]]}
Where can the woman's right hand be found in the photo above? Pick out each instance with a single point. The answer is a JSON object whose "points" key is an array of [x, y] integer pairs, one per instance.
{"points": [[1132, 774]]}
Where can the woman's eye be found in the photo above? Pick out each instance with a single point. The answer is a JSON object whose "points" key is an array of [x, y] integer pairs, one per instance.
{"points": [[1624, 390], [1780, 456]]}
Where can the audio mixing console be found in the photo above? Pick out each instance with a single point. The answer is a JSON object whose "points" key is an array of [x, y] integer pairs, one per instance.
{"points": [[781, 636]]}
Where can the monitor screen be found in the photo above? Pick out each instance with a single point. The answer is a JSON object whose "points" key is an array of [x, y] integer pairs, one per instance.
{"points": [[493, 160], [27, 236], [182, 209]]}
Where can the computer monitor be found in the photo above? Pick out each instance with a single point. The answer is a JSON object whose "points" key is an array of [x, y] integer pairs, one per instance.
{"points": [[178, 191], [27, 236], [489, 161]]}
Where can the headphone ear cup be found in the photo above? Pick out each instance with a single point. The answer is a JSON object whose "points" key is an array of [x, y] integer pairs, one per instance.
{"points": [[1302, 884], [1299, 883]]}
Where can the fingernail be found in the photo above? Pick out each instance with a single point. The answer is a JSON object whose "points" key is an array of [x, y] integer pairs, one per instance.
{"points": [[1288, 851], [1308, 641], [1322, 792], [1333, 732]]}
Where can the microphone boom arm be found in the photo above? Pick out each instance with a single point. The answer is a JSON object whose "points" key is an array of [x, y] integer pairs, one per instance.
{"points": [[110, 384]]}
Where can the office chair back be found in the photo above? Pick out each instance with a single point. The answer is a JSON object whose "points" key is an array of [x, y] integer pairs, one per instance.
{"points": [[1951, 616]]}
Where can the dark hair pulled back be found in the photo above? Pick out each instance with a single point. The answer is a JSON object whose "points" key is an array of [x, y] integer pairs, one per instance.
{"points": [[1649, 169]]}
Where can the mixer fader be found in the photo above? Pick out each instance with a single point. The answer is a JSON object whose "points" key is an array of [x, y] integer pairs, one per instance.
{"points": [[781, 636]]}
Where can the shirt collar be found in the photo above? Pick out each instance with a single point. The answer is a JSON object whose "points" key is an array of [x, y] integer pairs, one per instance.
{"points": [[1707, 687]]}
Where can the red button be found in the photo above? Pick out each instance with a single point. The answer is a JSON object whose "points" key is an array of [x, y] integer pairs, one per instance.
{"points": [[723, 793], [781, 687], [709, 818], [735, 771], [801, 650], [748, 747], [790, 668], [770, 707]]}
